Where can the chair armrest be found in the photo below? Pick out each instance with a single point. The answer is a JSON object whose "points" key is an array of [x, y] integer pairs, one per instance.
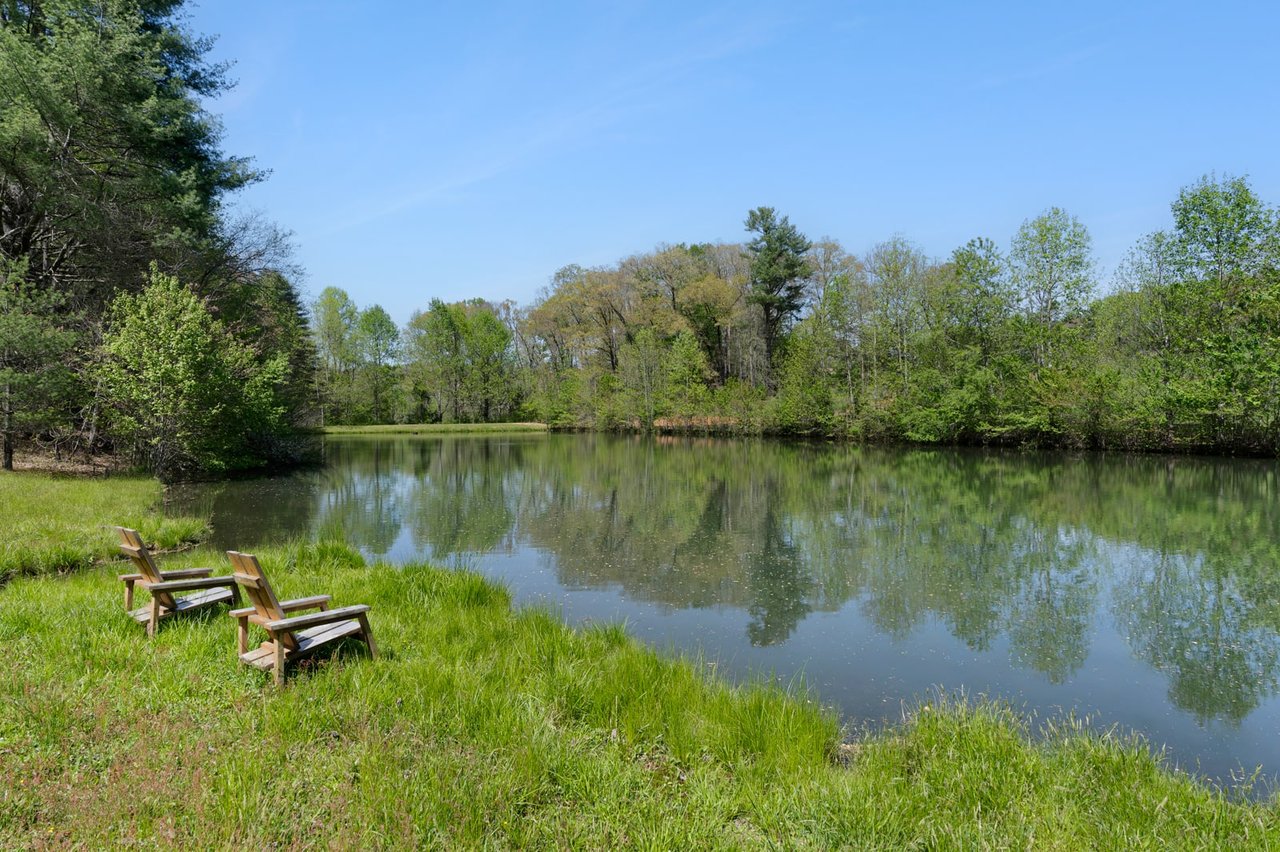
{"points": [[130, 578], [288, 606], [183, 573], [298, 622], [188, 585], [313, 602]]}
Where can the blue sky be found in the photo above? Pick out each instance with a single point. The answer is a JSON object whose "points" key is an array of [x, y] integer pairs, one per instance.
{"points": [[455, 149]]}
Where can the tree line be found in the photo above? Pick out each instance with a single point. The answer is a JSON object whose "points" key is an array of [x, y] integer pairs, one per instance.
{"points": [[783, 334], [139, 314]]}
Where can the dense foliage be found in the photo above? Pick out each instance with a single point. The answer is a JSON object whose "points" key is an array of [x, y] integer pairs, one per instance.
{"points": [[110, 163], [786, 335], [185, 393]]}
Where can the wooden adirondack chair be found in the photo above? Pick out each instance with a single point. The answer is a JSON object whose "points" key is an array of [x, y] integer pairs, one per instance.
{"points": [[162, 584], [294, 636]]}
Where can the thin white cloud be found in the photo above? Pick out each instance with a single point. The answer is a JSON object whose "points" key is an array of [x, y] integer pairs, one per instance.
{"points": [[602, 109], [1048, 68]]}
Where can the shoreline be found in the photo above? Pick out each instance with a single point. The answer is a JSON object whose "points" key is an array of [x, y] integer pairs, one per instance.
{"points": [[717, 427], [434, 429]]}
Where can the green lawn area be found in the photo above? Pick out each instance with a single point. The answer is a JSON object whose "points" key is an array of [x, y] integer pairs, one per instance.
{"points": [[58, 523], [480, 725], [434, 428]]}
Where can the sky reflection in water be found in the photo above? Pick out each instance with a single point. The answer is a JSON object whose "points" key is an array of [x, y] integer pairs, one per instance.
{"points": [[1144, 591]]}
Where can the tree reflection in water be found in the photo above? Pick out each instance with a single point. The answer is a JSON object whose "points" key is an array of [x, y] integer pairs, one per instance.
{"points": [[1032, 550]]}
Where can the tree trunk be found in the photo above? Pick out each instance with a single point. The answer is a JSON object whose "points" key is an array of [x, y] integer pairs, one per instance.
{"points": [[8, 426], [94, 410]]}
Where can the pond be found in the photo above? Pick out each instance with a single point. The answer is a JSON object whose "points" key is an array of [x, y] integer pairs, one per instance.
{"points": [[1143, 592]]}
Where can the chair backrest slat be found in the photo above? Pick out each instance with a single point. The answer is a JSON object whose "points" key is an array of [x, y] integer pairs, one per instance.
{"points": [[131, 546], [256, 585], [248, 573]]}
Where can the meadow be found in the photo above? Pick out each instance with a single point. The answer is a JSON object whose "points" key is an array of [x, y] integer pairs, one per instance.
{"points": [[57, 523]]}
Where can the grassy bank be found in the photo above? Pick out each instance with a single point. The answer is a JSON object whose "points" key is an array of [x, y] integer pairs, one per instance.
{"points": [[56, 523], [434, 428], [479, 725]]}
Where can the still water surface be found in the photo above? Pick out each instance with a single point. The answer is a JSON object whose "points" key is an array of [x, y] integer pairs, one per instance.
{"points": [[1143, 591]]}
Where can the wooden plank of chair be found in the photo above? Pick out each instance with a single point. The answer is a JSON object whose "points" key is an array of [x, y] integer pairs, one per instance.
{"points": [[199, 599], [129, 580], [300, 622], [186, 572], [317, 601], [205, 598], [262, 657], [309, 640], [366, 632], [187, 585], [247, 580]]}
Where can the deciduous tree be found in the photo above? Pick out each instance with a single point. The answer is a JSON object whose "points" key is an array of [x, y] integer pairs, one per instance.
{"points": [[1052, 265], [186, 396], [377, 343]]}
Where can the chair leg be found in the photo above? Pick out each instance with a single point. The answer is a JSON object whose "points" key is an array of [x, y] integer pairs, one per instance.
{"points": [[368, 635], [128, 595], [154, 622], [243, 634], [279, 669]]}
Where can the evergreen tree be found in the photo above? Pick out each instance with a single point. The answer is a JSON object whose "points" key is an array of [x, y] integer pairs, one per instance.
{"points": [[108, 159], [779, 268], [34, 378]]}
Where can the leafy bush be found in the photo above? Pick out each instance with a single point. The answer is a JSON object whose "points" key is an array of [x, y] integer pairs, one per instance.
{"points": [[186, 396]]}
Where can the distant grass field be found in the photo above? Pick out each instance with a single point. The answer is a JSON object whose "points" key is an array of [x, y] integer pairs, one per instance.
{"points": [[58, 523], [482, 726], [434, 428]]}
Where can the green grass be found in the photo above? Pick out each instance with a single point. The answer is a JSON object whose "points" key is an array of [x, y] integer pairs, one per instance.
{"points": [[434, 428], [483, 726], [58, 523]]}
